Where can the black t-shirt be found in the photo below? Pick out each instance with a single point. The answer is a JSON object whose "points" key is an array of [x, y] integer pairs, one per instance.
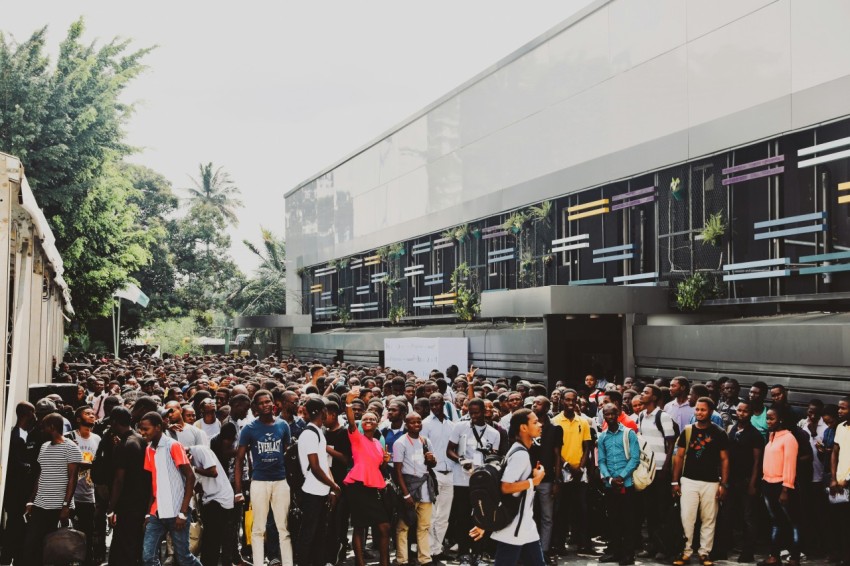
{"points": [[805, 457], [551, 439], [129, 455], [339, 440], [703, 453], [741, 445]]}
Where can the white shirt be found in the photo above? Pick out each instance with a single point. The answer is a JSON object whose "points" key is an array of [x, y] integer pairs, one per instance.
{"points": [[209, 429], [650, 432], [518, 468], [311, 443], [438, 432], [190, 436], [505, 422], [467, 447], [216, 489]]}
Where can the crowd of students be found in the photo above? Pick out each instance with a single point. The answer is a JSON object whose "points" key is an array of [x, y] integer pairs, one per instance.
{"points": [[285, 462]]}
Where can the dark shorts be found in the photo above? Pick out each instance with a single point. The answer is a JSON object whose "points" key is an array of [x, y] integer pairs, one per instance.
{"points": [[366, 506]]}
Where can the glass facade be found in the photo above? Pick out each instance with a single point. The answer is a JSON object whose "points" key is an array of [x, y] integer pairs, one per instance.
{"points": [[767, 222]]}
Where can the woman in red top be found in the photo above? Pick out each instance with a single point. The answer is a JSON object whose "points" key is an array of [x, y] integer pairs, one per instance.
{"points": [[779, 468], [364, 482]]}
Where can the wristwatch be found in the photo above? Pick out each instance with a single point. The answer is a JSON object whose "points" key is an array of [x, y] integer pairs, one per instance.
{"points": [[181, 516]]}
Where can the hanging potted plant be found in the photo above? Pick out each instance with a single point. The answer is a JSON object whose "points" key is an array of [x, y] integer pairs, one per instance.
{"points": [[515, 222], [714, 229], [677, 188], [476, 232]]}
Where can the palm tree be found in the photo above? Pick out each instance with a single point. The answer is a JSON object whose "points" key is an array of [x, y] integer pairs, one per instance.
{"points": [[216, 190], [265, 292]]}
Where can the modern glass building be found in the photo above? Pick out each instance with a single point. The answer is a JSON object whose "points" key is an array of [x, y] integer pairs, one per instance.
{"points": [[650, 188]]}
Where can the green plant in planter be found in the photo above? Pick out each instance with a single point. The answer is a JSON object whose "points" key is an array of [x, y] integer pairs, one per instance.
{"points": [[714, 229], [383, 252], [676, 188], [541, 211], [395, 250], [343, 263], [691, 292], [461, 232], [515, 222], [301, 271], [334, 264], [396, 313], [548, 259], [343, 315], [468, 303], [340, 292], [476, 232]]}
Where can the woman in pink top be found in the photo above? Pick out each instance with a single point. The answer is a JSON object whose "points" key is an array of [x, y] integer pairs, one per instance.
{"points": [[364, 482], [779, 472]]}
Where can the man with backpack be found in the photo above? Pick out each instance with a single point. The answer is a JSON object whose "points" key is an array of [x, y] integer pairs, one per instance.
{"points": [[318, 486], [619, 456], [469, 444], [519, 540], [660, 431]]}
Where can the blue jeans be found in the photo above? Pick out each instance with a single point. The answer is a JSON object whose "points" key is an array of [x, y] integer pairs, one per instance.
{"points": [[530, 554], [156, 530]]}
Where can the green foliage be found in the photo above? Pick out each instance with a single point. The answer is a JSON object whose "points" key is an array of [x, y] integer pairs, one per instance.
{"points": [[396, 313], [177, 336], [343, 315], [526, 268], [677, 188], [541, 212], [215, 189], [265, 291], [714, 229], [65, 121], [691, 292], [465, 285], [396, 250], [383, 252], [515, 222]]}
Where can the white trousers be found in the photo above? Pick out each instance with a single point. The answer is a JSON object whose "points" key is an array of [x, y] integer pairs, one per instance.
{"points": [[440, 513], [699, 497], [274, 494]]}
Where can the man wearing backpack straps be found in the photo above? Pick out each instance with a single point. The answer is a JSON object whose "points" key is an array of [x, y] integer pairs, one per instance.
{"points": [[469, 442], [318, 486], [659, 430], [701, 465], [520, 540], [619, 456]]}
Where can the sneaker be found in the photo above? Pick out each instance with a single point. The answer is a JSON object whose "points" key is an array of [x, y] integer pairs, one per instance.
{"points": [[627, 561], [608, 559], [275, 562], [587, 552], [646, 553], [551, 558], [466, 560]]}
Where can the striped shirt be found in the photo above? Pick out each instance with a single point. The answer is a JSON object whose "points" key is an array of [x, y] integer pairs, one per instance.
{"points": [[648, 429], [53, 479], [168, 483]]}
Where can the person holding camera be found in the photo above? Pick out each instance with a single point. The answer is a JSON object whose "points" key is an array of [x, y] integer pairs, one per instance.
{"points": [[470, 443]]}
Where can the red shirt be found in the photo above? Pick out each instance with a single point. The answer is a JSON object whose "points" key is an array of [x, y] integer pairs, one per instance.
{"points": [[624, 420]]}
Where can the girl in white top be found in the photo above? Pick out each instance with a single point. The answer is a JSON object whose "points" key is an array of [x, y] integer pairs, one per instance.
{"points": [[519, 541]]}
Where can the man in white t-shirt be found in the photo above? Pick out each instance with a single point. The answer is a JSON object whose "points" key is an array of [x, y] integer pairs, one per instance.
{"points": [[216, 501], [657, 427], [318, 486], [519, 542], [469, 443]]}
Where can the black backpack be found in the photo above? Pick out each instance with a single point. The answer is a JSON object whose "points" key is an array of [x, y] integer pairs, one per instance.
{"points": [[491, 509], [294, 475]]}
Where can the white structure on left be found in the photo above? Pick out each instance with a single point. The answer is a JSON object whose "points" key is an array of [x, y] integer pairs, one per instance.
{"points": [[34, 298]]}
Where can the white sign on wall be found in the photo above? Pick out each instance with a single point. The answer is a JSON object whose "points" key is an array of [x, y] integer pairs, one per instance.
{"points": [[421, 355]]}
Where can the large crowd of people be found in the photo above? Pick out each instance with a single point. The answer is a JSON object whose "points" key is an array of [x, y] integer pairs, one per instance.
{"points": [[285, 462]]}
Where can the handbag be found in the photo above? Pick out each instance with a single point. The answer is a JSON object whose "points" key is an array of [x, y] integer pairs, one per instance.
{"points": [[64, 545], [196, 529]]}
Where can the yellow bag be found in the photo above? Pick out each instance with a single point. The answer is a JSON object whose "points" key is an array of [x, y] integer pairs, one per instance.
{"points": [[249, 523]]}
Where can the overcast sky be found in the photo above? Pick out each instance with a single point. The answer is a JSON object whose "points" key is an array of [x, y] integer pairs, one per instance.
{"points": [[277, 91]]}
